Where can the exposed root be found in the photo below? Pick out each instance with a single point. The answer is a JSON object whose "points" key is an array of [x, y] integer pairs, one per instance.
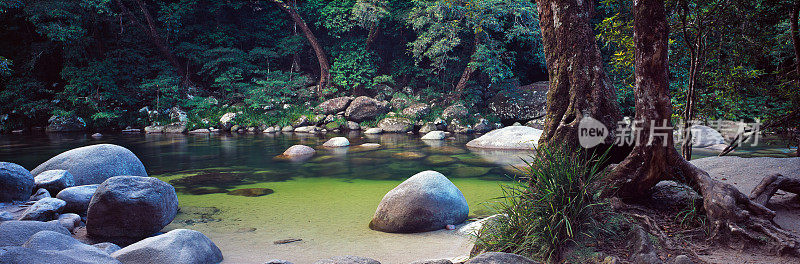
{"points": [[733, 215], [770, 185]]}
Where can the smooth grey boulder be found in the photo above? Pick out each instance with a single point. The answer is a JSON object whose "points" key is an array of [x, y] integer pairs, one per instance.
{"points": [[179, 246], [77, 197], [54, 180], [374, 130], [395, 125], [40, 194], [56, 248], [434, 135], [226, 121], [512, 137], [337, 142], [130, 206], [425, 202], [364, 108], [94, 164], [500, 258], [44, 210], [15, 233], [703, 136], [69, 221], [16, 183], [299, 151], [107, 247], [334, 105], [347, 260], [278, 261]]}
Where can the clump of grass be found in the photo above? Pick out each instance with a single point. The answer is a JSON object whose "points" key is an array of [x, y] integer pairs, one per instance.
{"points": [[553, 206]]}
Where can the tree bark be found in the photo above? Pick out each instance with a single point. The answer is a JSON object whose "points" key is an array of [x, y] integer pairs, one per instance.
{"points": [[461, 86], [731, 214], [324, 66], [149, 27], [579, 87]]}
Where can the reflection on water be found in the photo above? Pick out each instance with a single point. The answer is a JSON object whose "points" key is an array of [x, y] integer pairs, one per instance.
{"points": [[201, 164]]}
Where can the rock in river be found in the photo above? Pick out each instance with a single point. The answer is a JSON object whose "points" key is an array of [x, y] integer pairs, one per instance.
{"points": [[48, 247], [513, 137], [130, 206], [434, 135], [395, 125], [16, 183], [299, 151], [54, 180], [337, 142], [94, 164], [15, 233], [77, 198], [425, 202], [251, 192], [177, 246]]}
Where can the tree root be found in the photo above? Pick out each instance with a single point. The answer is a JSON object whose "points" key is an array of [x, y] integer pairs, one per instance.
{"points": [[771, 184], [733, 215]]}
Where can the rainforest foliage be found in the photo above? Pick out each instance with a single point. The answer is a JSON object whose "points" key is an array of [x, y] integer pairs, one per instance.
{"points": [[107, 60]]}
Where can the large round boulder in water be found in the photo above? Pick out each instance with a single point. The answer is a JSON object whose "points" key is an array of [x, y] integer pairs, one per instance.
{"points": [[176, 246], [513, 137], [131, 206], [16, 183], [425, 202], [364, 108], [94, 164]]}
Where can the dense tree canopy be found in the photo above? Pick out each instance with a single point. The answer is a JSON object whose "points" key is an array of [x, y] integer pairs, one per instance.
{"points": [[105, 60]]}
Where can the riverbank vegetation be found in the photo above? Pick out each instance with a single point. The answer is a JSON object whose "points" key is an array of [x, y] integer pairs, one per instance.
{"points": [[126, 63]]}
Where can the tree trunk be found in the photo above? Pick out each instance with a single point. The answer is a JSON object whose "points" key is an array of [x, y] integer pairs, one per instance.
{"points": [[796, 38], [579, 87], [730, 213], [461, 86], [149, 27], [324, 66]]}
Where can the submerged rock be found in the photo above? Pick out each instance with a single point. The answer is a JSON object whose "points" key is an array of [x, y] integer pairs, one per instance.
{"points": [[425, 202], [347, 260], [94, 164], [440, 160], [337, 142], [16, 183], [54, 180], [513, 137], [176, 246], [129, 206], [77, 198], [251, 192]]}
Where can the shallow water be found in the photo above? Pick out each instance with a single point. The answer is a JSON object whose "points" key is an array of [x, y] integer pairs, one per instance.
{"points": [[327, 201]]}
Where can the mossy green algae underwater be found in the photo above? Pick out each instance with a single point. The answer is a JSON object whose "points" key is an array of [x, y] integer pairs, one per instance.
{"points": [[315, 206]]}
